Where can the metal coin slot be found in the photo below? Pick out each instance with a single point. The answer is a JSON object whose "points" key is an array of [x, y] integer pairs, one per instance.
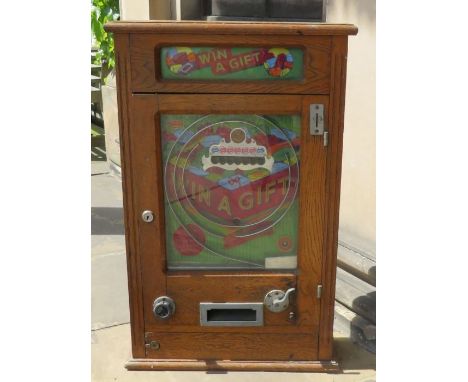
{"points": [[231, 314]]}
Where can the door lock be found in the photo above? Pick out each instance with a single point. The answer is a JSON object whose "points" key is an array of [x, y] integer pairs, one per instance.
{"points": [[317, 122], [277, 301], [163, 307], [147, 216]]}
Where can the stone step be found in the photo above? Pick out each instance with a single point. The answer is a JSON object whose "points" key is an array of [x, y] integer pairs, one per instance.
{"points": [[355, 327], [356, 294], [357, 263]]}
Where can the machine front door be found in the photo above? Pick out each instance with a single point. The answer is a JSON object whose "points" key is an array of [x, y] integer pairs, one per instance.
{"points": [[230, 197]]}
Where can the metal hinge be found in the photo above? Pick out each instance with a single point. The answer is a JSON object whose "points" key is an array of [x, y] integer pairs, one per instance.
{"points": [[319, 290], [149, 343], [317, 121]]}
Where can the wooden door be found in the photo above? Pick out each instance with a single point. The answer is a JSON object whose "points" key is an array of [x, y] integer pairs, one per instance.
{"points": [[237, 187]]}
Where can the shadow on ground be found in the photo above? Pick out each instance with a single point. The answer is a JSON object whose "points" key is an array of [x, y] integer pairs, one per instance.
{"points": [[353, 357], [107, 221], [98, 153]]}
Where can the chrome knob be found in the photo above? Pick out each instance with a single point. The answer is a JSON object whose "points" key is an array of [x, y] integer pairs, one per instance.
{"points": [[163, 307]]}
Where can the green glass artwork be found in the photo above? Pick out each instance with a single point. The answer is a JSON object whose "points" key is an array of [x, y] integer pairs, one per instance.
{"points": [[216, 63], [231, 191]]}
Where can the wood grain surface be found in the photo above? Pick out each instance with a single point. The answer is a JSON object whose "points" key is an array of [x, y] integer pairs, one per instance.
{"points": [[190, 290], [301, 344], [225, 365], [132, 253], [235, 346], [231, 27], [145, 65], [333, 182]]}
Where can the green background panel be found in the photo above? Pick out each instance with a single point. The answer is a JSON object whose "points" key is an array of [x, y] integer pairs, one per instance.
{"points": [[250, 254], [254, 73]]}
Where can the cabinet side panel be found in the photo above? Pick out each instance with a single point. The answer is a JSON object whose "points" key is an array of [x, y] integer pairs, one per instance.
{"points": [[148, 190], [311, 219], [133, 261], [335, 148]]}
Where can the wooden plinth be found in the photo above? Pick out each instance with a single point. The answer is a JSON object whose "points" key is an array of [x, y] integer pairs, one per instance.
{"points": [[194, 365]]}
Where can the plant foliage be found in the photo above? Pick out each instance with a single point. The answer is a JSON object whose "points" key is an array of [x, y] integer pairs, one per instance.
{"points": [[103, 11]]}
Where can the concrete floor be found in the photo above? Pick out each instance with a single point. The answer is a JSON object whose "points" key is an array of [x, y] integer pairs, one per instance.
{"points": [[110, 338]]}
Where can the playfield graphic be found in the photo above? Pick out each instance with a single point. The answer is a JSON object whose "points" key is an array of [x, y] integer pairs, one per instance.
{"points": [[231, 63], [231, 186]]}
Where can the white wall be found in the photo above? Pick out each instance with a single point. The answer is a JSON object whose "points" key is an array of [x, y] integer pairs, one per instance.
{"points": [[134, 10], [147, 9], [357, 209], [160, 9]]}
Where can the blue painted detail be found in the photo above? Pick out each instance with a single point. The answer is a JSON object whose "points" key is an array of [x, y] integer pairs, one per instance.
{"points": [[278, 166], [183, 137], [211, 140], [197, 171], [234, 182], [271, 62], [283, 134]]}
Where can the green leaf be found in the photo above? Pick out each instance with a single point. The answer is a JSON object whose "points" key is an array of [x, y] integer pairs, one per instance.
{"points": [[103, 11]]}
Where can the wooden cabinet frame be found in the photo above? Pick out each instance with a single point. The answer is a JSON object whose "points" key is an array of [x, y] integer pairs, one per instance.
{"points": [[139, 111]]}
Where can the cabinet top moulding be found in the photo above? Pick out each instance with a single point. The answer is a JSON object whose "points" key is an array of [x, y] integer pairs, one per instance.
{"points": [[232, 27]]}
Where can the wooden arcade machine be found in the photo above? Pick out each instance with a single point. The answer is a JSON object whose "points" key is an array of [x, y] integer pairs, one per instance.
{"points": [[231, 139]]}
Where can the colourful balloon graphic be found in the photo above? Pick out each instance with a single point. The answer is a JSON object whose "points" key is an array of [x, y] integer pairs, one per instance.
{"points": [[279, 62], [181, 60]]}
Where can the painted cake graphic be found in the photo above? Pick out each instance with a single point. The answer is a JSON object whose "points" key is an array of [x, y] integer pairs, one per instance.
{"points": [[238, 154]]}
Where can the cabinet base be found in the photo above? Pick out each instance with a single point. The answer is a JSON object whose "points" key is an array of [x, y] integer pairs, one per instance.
{"points": [[213, 365]]}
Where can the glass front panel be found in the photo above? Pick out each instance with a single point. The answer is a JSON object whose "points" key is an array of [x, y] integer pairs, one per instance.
{"points": [[229, 63], [231, 190]]}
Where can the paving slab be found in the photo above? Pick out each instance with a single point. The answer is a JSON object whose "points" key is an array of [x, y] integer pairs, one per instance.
{"points": [[106, 191], [102, 244], [98, 168], [109, 293]]}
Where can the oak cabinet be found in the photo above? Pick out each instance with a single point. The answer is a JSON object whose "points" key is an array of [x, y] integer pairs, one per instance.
{"points": [[231, 141]]}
